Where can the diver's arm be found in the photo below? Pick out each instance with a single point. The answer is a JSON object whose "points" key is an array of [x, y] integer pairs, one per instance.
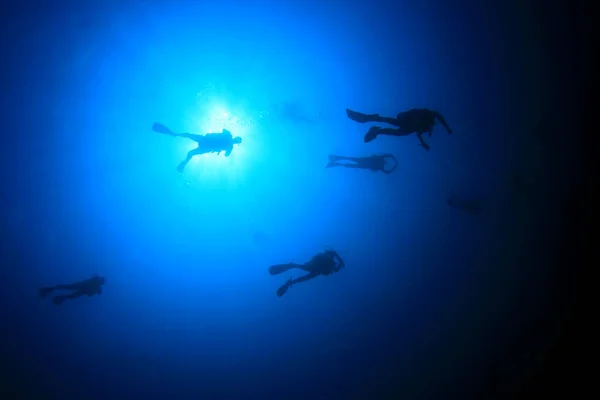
{"points": [[228, 151], [442, 120], [340, 262], [422, 142]]}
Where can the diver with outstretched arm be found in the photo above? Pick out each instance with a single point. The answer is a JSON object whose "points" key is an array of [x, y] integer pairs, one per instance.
{"points": [[209, 143], [324, 263], [88, 287], [416, 120], [373, 163]]}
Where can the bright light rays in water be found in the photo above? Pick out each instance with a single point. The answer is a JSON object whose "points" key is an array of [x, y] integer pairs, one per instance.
{"points": [[213, 117]]}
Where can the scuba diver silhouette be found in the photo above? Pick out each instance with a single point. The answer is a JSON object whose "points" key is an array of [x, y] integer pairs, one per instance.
{"points": [[417, 120], [373, 163], [324, 263], [209, 143], [88, 287]]}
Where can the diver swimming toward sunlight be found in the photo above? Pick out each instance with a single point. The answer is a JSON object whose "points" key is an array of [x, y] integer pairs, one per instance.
{"points": [[88, 287], [373, 163], [324, 263], [417, 120], [209, 143]]}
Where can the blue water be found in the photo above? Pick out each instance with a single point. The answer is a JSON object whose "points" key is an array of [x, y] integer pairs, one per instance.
{"points": [[429, 293]]}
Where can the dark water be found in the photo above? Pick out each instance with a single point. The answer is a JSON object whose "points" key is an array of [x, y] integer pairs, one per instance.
{"points": [[434, 302]]}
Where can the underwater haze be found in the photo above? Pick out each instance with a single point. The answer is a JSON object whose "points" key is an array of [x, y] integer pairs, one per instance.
{"points": [[429, 293]]}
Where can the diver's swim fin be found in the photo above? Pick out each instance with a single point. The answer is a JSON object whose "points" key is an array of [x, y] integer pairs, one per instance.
{"points": [[332, 161], [160, 128], [279, 268], [371, 134], [281, 291], [360, 117], [45, 291]]}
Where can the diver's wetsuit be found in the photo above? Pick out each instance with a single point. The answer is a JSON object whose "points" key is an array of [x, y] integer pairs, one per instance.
{"points": [[88, 287], [324, 263], [417, 120], [209, 143], [373, 163]]}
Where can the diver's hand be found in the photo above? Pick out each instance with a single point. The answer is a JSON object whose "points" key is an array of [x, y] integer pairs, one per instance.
{"points": [[340, 261], [425, 146]]}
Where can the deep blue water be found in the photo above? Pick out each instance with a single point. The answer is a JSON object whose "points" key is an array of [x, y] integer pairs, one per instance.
{"points": [[429, 294]]}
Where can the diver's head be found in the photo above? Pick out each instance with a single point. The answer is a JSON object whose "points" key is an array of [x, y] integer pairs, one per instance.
{"points": [[101, 280], [329, 253], [237, 140]]}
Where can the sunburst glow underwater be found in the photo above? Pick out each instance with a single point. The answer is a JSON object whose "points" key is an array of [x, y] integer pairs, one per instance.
{"points": [[213, 118], [191, 307]]}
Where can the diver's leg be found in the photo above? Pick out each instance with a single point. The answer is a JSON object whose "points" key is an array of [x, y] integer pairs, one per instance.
{"points": [[342, 158], [283, 288], [59, 299], [49, 289], [189, 156], [196, 138], [303, 278], [160, 128], [72, 286], [334, 161], [280, 268], [362, 118], [393, 132], [358, 166], [374, 131], [185, 162], [334, 164], [389, 120]]}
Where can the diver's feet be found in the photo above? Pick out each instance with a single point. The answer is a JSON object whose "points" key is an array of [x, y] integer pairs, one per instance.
{"points": [[45, 291], [331, 164], [372, 134], [360, 117], [281, 291]]}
